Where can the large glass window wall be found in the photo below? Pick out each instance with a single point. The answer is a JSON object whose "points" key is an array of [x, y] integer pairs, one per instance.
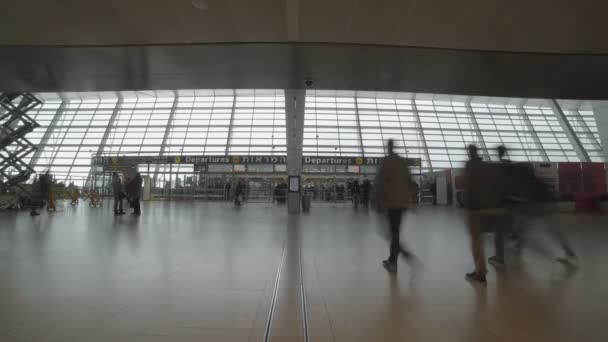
{"points": [[437, 128], [434, 128]]}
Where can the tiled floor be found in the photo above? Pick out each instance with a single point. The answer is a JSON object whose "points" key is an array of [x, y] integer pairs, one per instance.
{"points": [[206, 272]]}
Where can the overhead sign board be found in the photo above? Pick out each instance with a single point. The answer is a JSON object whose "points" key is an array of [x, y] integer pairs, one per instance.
{"points": [[307, 160]]}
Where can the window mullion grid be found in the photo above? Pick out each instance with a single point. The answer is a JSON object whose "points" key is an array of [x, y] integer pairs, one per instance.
{"points": [[65, 133], [211, 116], [111, 122], [188, 129], [86, 131], [338, 128], [398, 116], [147, 127], [231, 123], [170, 124], [359, 133], [47, 134], [534, 135], [477, 130], [127, 126], [423, 138], [316, 127], [585, 126]]}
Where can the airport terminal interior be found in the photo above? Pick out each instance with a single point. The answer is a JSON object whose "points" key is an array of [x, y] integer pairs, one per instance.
{"points": [[249, 164]]}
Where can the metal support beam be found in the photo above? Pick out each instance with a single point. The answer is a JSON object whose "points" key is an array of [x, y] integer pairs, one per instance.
{"points": [[295, 100], [108, 130], [574, 140], [482, 144], [532, 131], [165, 136], [230, 125], [169, 121], [360, 134], [48, 133], [423, 140], [600, 111]]}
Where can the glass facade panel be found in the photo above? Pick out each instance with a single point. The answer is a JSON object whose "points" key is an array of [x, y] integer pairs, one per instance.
{"points": [[434, 128]]}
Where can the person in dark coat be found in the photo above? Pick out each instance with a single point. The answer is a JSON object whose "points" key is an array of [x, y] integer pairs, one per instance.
{"points": [[392, 196], [134, 193], [239, 193], [356, 193], [366, 188], [484, 188], [45, 181], [118, 191]]}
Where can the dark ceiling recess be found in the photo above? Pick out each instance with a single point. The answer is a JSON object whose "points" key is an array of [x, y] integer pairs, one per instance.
{"points": [[332, 66]]}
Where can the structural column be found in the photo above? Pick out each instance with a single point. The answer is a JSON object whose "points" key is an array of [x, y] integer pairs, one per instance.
{"points": [[600, 111], [294, 122]]}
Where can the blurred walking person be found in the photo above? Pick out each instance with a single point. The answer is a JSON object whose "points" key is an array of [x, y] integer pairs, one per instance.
{"points": [[483, 194], [356, 193], [44, 183], [531, 201], [227, 191], [392, 195], [239, 193], [504, 224], [134, 193], [119, 194], [366, 188]]}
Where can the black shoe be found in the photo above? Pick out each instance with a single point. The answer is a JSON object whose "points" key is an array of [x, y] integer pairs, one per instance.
{"points": [[390, 266], [121, 212], [477, 276], [494, 261], [34, 213]]}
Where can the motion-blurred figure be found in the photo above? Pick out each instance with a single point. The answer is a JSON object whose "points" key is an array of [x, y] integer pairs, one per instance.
{"points": [[227, 191], [134, 193], [392, 194], [530, 200], [45, 181], [483, 194], [119, 194], [74, 194], [356, 193], [366, 188], [503, 225], [239, 193]]}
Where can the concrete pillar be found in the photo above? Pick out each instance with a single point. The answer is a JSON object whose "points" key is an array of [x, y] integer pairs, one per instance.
{"points": [[294, 117], [600, 111]]}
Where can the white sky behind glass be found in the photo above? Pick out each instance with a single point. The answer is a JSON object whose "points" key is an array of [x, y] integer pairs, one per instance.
{"points": [[435, 128], [438, 128]]}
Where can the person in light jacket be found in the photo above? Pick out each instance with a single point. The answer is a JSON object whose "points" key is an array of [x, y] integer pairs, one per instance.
{"points": [[392, 188]]}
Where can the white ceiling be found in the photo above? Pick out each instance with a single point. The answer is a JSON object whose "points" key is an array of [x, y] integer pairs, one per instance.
{"points": [[515, 25]]}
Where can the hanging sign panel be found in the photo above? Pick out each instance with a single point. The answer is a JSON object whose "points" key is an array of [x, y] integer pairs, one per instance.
{"points": [[274, 160]]}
